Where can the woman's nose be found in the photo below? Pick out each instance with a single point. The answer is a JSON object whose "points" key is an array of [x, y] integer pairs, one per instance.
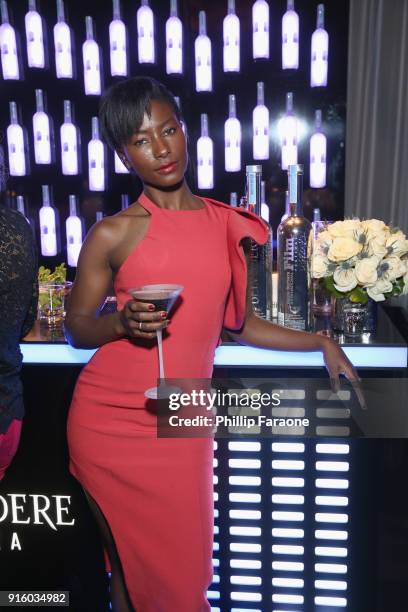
{"points": [[160, 147]]}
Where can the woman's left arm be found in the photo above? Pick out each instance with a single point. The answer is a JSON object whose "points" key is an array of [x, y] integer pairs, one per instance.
{"points": [[264, 334]]}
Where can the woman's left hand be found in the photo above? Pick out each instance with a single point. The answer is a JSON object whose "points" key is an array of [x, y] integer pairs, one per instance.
{"points": [[337, 362]]}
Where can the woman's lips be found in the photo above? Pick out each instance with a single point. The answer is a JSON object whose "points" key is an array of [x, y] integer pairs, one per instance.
{"points": [[168, 168]]}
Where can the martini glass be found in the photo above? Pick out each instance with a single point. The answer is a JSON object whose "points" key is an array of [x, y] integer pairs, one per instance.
{"points": [[163, 297]]}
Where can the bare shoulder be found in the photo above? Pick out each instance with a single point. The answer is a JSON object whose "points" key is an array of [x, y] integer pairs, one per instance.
{"points": [[114, 230]]}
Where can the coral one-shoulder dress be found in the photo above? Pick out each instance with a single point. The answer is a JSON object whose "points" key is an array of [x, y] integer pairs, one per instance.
{"points": [[157, 493]]}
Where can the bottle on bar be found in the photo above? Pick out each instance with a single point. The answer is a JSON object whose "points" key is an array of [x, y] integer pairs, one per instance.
{"points": [[96, 159], [145, 34], [8, 46], [41, 131], [62, 44], [203, 56], [16, 144], [91, 61], [293, 236], [174, 41], [69, 142], [34, 37], [118, 43], [73, 227], [261, 255], [205, 157], [48, 225]]}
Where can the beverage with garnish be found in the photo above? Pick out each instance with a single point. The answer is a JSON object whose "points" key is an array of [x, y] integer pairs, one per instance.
{"points": [[163, 297]]}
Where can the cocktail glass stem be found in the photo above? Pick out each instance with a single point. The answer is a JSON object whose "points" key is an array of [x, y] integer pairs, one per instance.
{"points": [[160, 347]]}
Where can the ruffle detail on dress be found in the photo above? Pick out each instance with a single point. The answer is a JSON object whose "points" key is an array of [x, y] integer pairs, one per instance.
{"points": [[241, 224]]}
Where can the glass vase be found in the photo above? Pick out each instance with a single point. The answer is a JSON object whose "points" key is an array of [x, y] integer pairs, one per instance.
{"points": [[353, 318]]}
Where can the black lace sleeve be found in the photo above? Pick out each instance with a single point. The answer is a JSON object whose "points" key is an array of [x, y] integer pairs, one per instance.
{"points": [[18, 307]]}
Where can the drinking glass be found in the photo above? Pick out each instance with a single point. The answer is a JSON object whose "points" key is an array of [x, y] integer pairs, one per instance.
{"points": [[163, 297]]}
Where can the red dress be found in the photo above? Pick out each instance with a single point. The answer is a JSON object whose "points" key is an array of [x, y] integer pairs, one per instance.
{"points": [[157, 493]]}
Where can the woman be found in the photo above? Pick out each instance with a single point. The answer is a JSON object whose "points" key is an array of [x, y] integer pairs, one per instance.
{"points": [[153, 496], [18, 311]]}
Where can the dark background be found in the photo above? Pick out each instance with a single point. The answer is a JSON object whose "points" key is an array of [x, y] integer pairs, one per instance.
{"points": [[331, 99]]}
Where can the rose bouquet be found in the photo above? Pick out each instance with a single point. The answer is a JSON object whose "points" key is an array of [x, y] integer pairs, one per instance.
{"points": [[359, 260]]}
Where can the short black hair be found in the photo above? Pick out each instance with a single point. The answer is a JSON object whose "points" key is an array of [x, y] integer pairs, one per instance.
{"points": [[124, 105]]}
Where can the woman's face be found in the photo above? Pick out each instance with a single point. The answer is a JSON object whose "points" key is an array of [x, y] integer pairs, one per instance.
{"points": [[157, 152]]}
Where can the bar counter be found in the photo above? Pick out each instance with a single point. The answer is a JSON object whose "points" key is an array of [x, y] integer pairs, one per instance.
{"points": [[384, 349]]}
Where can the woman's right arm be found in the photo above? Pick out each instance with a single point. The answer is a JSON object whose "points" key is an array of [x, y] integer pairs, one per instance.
{"points": [[84, 327]]}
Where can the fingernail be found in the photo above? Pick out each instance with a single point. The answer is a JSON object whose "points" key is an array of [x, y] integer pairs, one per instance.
{"points": [[151, 306], [163, 315]]}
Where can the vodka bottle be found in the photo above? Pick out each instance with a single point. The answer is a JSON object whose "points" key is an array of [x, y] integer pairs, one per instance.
{"points": [[290, 37], [205, 157], [203, 60], [124, 201], [260, 126], [145, 33], [34, 37], [261, 256], [289, 140], [232, 138], [120, 167], [233, 199], [174, 41], [91, 61], [293, 237], [16, 144], [41, 131], [319, 52], [48, 225], [69, 142], [231, 35], [8, 46], [96, 159], [318, 149], [118, 43], [73, 227], [260, 29], [62, 44]]}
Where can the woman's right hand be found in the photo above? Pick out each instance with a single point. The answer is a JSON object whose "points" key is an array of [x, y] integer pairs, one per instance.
{"points": [[140, 319]]}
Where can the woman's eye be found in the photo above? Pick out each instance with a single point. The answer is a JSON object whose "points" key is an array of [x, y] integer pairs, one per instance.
{"points": [[138, 143], [170, 131]]}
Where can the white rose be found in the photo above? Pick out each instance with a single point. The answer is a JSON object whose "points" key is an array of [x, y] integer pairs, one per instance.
{"points": [[373, 227], [319, 266], [343, 248], [385, 286], [392, 268], [375, 293], [397, 243], [344, 279], [344, 229], [366, 271], [376, 246]]}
